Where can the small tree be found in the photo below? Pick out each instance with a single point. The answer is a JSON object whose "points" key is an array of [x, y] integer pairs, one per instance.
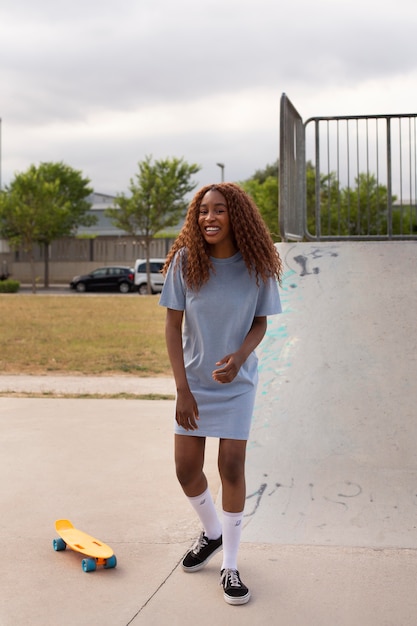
{"points": [[43, 204], [157, 200], [366, 206], [69, 207], [270, 171], [265, 195], [347, 211], [263, 188]]}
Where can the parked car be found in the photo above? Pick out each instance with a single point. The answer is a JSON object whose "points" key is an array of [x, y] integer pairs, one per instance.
{"points": [[105, 279], [141, 279]]}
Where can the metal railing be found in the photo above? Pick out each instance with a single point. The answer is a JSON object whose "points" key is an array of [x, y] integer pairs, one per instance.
{"points": [[292, 178], [347, 177]]}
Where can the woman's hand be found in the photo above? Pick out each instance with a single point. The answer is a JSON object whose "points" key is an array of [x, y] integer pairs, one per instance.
{"points": [[231, 366], [233, 362], [186, 412]]}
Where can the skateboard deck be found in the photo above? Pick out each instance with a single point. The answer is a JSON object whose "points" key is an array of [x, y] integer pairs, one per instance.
{"points": [[98, 553]]}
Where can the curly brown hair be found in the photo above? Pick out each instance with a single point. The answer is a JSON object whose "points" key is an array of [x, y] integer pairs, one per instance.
{"points": [[251, 235]]}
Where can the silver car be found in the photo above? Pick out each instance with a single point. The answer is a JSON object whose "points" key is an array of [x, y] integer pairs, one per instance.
{"points": [[141, 279]]}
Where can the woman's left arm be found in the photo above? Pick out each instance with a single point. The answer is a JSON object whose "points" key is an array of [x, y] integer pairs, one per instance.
{"points": [[233, 362]]}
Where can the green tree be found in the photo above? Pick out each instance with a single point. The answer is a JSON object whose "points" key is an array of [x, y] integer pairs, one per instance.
{"points": [[329, 202], [346, 211], [365, 207], [263, 188], [265, 196], [270, 170], [41, 205], [404, 219], [156, 201]]}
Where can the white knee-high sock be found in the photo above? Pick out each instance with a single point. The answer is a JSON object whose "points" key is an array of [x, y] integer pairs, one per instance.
{"points": [[232, 530], [203, 505]]}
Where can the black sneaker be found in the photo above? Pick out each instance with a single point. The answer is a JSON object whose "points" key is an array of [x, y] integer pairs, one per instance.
{"points": [[201, 553], [234, 591]]}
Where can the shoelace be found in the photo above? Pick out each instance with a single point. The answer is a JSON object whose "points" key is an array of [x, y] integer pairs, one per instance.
{"points": [[200, 543], [232, 576]]}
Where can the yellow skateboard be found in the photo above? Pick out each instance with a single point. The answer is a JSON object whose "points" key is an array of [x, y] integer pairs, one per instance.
{"points": [[98, 553]]}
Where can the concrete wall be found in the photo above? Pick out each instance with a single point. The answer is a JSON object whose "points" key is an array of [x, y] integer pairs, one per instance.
{"points": [[59, 272], [71, 257]]}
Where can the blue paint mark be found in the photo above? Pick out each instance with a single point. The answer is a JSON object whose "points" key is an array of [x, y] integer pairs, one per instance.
{"points": [[275, 357]]}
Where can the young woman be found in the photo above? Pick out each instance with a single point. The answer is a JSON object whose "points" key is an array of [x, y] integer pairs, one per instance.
{"points": [[220, 286]]}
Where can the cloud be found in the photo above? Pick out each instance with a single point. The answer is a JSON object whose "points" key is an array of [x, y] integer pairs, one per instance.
{"points": [[101, 84]]}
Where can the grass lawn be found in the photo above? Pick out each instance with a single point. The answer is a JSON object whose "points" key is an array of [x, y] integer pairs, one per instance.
{"points": [[81, 334]]}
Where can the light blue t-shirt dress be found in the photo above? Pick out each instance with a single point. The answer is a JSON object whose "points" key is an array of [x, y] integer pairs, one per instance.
{"points": [[217, 319]]}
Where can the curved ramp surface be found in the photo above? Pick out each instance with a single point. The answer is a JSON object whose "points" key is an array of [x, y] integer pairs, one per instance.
{"points": [[332, 458]]}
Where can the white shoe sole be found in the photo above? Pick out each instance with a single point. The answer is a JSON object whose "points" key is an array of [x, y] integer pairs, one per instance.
{"points": [[236, 601], [196, 568]]}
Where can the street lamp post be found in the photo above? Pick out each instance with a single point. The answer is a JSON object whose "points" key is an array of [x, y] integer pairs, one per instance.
{"points": [[221, 165]]}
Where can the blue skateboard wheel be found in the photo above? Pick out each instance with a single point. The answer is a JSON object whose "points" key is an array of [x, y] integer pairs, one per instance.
{"points": [[111, 562], [59, 544], [89, 565]]}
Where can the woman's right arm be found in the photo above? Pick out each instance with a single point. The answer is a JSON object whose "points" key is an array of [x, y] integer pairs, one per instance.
{"points": [[186, 409]]}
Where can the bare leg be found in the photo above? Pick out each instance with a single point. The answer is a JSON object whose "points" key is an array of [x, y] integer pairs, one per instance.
{"points": [[189, 462], [231, 461]]}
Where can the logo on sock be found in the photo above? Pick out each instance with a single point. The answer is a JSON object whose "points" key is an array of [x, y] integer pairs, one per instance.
{"points": [[202, 502], [238, 522]]}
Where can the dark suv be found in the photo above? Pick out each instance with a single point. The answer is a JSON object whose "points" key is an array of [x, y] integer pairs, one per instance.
{"points": [[105, 279]]}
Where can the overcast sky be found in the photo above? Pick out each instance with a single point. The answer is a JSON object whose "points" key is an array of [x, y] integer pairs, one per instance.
{"points": [[100, 84]]}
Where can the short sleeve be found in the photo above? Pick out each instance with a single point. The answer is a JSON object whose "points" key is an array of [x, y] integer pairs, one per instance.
{"points": [[173, 291], [269, 302]]}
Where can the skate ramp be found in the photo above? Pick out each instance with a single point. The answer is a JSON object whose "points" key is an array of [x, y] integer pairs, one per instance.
{"points": [[332, 458]]}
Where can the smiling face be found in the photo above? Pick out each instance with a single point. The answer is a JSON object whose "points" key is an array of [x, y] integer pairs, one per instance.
{"points": [[214, 223]]}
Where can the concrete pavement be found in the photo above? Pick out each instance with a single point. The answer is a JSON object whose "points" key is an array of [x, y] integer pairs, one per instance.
{"points": [[117, 481], [330, 521], [87, 386]]}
